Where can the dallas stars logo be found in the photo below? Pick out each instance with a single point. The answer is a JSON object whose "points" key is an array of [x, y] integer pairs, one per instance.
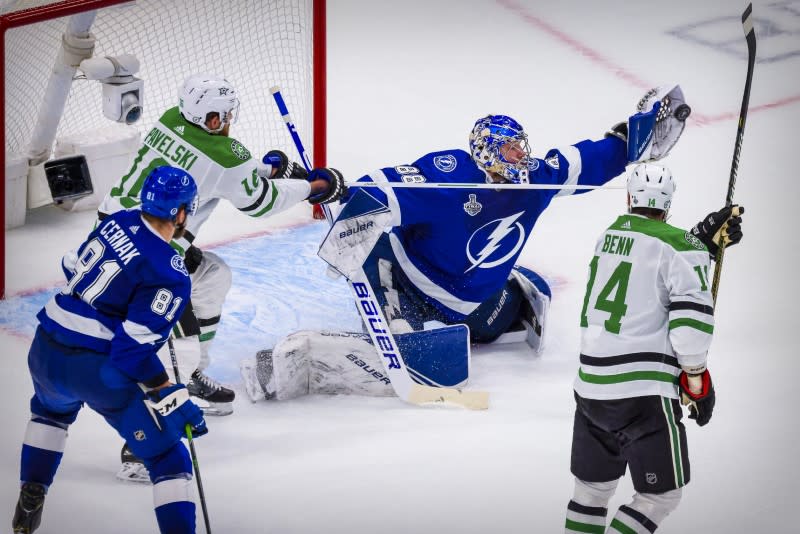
{"points": [[239, 150], [223, 91]]}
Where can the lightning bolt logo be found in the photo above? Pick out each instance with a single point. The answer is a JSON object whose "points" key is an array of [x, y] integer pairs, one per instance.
{"points": [[504, 227]]}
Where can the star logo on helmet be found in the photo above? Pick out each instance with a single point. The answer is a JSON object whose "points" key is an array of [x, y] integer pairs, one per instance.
{"points": [[223, 91]]}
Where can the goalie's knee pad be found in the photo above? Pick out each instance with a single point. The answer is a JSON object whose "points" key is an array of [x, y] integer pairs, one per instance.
{"points": [[535, 306]]}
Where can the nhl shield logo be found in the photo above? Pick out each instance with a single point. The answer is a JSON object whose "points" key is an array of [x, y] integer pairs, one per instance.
{"points": [[446, 163], [139, 435], [651, 478], [472, 207]]}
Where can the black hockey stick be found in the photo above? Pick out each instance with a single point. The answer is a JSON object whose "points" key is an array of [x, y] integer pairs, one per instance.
{"points": [[750, 35], [196, 465]]}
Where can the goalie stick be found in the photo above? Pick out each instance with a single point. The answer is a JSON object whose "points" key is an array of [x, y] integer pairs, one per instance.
{"points": [[200, 493], [441, 185], [750, 36], [378, 328]]}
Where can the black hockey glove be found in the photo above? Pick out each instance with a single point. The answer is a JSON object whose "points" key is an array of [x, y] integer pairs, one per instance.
{"points": [[192, 258], [723, 224], [701, 404], [336, 188], [176, 409], [284, 167]]}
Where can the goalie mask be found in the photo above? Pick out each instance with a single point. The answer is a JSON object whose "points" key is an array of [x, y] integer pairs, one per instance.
{"points": [[499, 145], [650, 186], [207, 93]]}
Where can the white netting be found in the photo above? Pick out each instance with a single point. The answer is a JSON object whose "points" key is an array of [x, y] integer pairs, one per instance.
{"points": [[255, 44]]}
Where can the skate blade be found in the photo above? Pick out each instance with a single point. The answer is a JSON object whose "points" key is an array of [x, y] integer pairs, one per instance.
{"points": [[213, 408], [251, 384], [133, 472]]}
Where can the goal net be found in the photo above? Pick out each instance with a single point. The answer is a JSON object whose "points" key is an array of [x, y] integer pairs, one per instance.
{"points": [[255, 44]]}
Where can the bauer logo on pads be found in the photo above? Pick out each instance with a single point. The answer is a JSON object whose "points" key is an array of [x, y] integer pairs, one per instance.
{"points": [[355, 231]]}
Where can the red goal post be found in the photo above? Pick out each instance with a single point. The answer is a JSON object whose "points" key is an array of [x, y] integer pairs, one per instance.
{"points": [[256, 44]]}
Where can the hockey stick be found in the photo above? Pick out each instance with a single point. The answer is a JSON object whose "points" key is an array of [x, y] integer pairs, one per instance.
{"points": [[287, 119], [196, 465], [750, 35], [440, 185], [381, 336]]}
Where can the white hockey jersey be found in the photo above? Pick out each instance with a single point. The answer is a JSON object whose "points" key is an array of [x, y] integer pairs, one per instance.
{"points": [[647, 311], [221, 166]]}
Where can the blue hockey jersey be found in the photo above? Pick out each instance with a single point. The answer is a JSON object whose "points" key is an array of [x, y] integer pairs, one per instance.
{"points": [[126, 288], [457, 246]]}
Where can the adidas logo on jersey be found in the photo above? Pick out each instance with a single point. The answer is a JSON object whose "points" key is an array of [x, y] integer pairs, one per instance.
{"points": [[179, 129], [626, 225], [133, 229]]}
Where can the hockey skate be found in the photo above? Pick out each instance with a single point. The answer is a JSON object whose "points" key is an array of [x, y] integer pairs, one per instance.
{"points": [[132, 469], [211, 396], [28, 515], [256, 373]]}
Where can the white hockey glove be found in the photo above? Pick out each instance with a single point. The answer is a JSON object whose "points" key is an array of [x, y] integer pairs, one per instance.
{"points": [[659, 123], [275, 164]]}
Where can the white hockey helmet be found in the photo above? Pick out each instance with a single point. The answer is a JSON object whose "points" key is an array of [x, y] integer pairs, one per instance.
{"points": [[202, 94], [650, 186]]}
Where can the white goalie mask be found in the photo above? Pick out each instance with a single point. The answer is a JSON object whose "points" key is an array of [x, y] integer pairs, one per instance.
{"points": [[202, 94], [651, 186]]}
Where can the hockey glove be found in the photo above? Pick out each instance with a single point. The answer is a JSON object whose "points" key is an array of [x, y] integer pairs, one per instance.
{"points": [[176, 409], [725, 224], [192, 258], [283, 168], [697, 392], [658, 124], [336, 188]]}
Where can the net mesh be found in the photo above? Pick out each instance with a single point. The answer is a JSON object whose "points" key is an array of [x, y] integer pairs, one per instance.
{"points": [[255, 44]]}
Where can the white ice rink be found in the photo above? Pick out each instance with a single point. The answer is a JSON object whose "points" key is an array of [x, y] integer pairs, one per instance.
{"points": [[411, 77]]}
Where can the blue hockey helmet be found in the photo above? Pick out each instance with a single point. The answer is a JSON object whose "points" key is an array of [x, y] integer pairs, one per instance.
{"points": [[499, 145], [168, 189]]}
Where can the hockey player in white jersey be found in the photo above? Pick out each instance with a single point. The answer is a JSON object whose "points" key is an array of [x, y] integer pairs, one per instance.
{"points": [[647, 323], [449, 256], [194, 136]]}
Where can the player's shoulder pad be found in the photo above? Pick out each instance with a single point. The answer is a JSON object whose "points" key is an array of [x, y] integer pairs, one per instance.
{"points": [[223, 150], [448, 166], [676, 238]]}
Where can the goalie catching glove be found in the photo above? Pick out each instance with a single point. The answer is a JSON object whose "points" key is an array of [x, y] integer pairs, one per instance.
{"points": [[697, 391], [724, 225], [275, 164], [176, 410], [656, 127], [335, 190]]}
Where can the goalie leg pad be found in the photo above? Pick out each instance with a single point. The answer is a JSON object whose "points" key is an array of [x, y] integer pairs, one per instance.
{"points": [[535, 306]]}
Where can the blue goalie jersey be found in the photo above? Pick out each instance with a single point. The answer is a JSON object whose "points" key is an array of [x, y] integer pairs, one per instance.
{"points": [[126, 288], [457, 246]]}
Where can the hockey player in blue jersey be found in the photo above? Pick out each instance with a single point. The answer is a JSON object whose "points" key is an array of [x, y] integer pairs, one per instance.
{"points": [[449, 256], [96, 344]]}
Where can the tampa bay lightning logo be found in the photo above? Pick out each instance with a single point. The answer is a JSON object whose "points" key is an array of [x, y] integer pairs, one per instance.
{"points": [[495, 242], [178, 265], [446, 163]]}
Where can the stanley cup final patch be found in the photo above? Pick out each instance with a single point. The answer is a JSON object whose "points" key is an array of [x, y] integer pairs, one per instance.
{"points": [[472, 207]]}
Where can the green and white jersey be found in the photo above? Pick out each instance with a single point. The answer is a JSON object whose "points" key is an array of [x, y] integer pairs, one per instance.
{"points": [[647, 311], [221, 166]]}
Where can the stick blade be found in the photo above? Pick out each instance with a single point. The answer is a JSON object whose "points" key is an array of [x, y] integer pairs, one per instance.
{"points": [[471, 400]]}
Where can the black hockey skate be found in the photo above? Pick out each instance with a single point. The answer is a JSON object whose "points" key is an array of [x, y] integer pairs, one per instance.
{"points": [[211, 396], [28, 515], [132, 469]]}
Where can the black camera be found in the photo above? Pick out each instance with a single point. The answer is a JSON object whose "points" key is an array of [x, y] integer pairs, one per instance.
{"points": [[68, 178]]}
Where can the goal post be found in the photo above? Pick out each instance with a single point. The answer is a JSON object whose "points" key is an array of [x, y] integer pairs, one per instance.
{"points": [[255, 44]]}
